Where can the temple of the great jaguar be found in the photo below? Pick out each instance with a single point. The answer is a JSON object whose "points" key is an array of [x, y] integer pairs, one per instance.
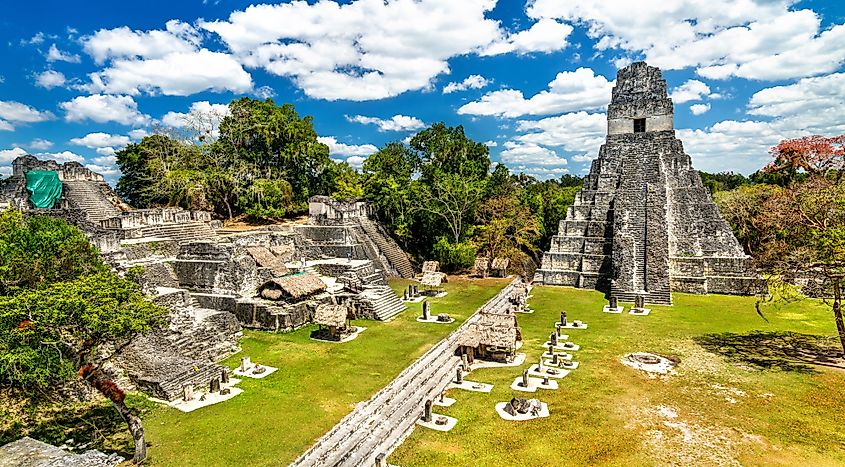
{"points": [[643, 224]]}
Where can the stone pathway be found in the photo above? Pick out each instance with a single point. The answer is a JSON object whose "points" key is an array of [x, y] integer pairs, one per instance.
{"points": [[379, 425]]}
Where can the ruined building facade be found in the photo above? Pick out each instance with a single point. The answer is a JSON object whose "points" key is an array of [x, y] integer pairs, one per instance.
{"points": [[643, 224]]}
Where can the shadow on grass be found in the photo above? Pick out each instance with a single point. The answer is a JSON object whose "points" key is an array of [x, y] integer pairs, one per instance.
{"points": [[779, 350]]}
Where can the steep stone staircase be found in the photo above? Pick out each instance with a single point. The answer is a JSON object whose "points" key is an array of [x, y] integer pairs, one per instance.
{"points": [[397, 258], [88, 197], [380, 302]]}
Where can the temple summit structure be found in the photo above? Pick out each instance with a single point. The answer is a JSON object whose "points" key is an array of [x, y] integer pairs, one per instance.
{"points": [[644, 224]]}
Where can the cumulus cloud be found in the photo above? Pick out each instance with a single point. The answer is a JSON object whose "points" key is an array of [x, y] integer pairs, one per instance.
{"points": [[394, 123], [12, 113], [491, 143], [50, 79], [169, 62], [353, 154], [581, 89], [579, 132], [202, 117], [40, 144], [368, 49], [100, 140], [470, 82], [56, 55], [104, 108], [692, 90], [721, 38], [528, 154], [698, 109], [809, 106], [546, 35]]}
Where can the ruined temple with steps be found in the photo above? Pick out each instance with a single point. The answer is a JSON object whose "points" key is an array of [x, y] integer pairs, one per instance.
{"points": [[643, 223]]}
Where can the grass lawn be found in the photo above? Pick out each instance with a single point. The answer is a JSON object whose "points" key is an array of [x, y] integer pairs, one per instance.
{"points": [[743, 392], [318, 383]]}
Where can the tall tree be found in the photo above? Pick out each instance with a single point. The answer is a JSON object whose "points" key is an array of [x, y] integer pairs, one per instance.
{"points": [[805, 223]]}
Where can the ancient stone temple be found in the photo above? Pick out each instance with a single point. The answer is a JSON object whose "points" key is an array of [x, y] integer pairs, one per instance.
{"points": [[643, 224]]}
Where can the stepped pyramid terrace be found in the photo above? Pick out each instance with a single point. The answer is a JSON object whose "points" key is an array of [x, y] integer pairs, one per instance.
{"points": [[643, 223]]}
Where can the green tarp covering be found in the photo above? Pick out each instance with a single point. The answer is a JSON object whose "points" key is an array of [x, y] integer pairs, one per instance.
{"points": [[44, 187]]}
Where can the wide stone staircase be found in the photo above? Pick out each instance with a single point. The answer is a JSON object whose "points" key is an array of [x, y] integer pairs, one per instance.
{"points": [[88, 197], [380, 302], [397, 258], [376, 427]]}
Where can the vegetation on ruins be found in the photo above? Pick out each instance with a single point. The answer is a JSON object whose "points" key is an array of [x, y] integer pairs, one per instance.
{"points": [[437, 194], [64, 314]]}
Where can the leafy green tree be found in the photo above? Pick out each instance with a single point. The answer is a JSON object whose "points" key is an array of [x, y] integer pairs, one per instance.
{"points": [[347, 183], [268, 199], [52, 334], [722, 181], [39, 250], [145, 165], [447, 149], [387, 186], [63, 312], [548, 201], [508, 229], [454, 256], [451, 198], [742, 207]]}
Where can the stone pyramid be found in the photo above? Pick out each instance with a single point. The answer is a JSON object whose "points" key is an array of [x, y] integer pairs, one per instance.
{"points": [[643, 224]]}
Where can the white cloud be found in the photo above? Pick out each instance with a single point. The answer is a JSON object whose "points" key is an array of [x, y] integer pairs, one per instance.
{"points": [[56, 55], [38, 38], [60, 157], [394, 123], [138, 133], [546, 35], [698, 109], [341, 149], [100, 140], [491, 144], [581, 89], [521, 154], [722, 38], [40, 144], [125, 43], [470, 82], [104, 108], [809, 106], [176, 74], [821, 95], [169, 62], [579, 132], [368, 49], [353, 154], [12, 113], [692, 90], [8, 155], [583, 157], [203, 117], [50, 79], [109, 160], [105, 151]]}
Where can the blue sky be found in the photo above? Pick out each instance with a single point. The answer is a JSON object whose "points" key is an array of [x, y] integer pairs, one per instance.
{"points": [[82, 79]]}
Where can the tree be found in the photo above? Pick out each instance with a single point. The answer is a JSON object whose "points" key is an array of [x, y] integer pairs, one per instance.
{"points": [[452, 198], [742, 207], [51, 334], [62, 312], [804, 224], [814, 155], [507, 229], [39, 250], [387, 185], [347, 183]]}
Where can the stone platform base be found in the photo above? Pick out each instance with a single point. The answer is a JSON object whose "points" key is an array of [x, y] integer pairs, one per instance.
{"points": [[572, 325], [518, 360], [561, 355], [450, 422], [616, 310], [564, 347], [533, 384], [500, 409], [249, 373], [434, 320], [550, 372], [565, 364], [446, 402], [640, 311], [471, 386]]}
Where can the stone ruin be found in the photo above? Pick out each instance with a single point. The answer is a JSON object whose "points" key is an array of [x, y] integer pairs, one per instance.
{"points": [[643, 224], [216, 281], [33, 453]]}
